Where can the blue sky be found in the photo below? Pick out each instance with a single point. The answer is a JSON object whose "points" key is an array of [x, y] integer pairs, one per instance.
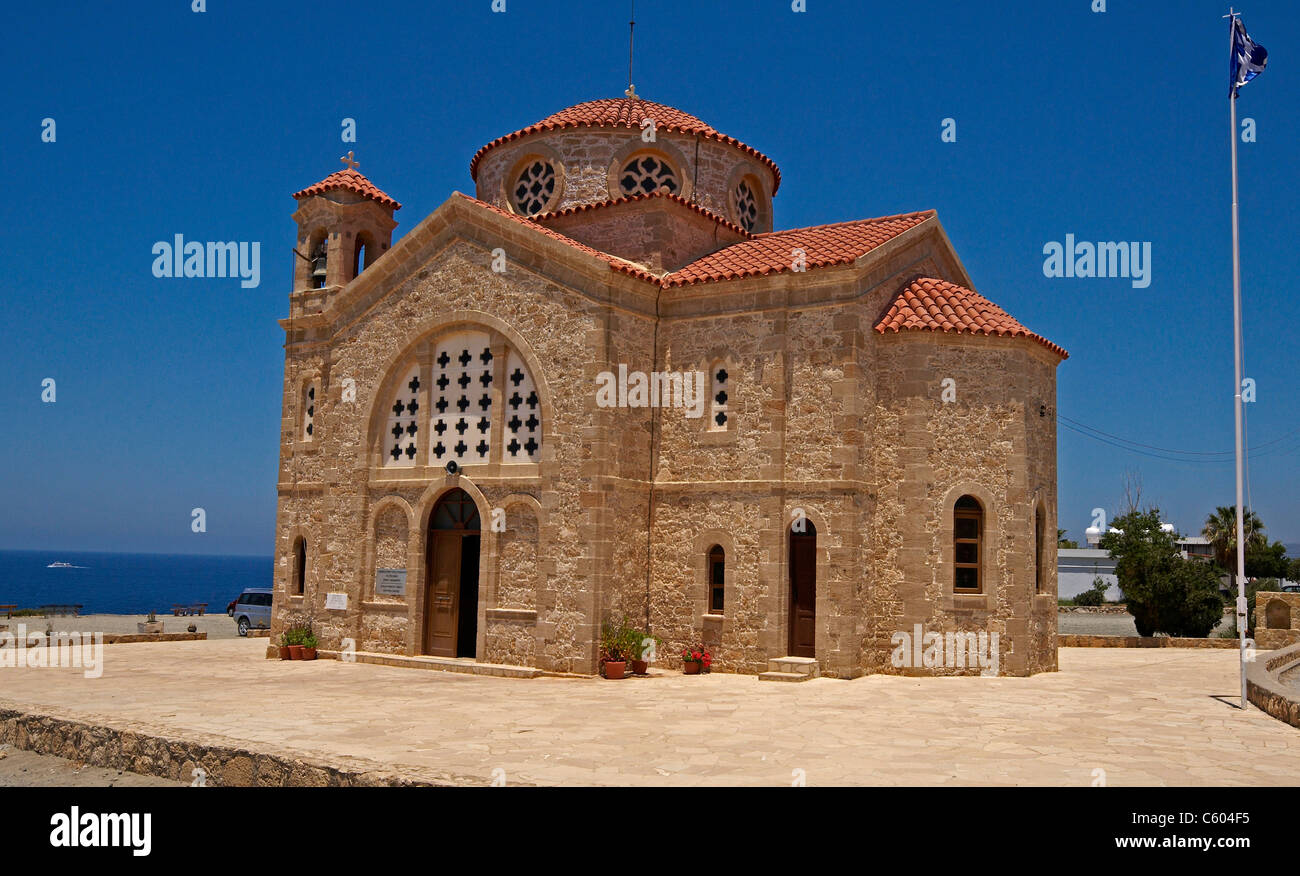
{"points": [[1110, 126]]}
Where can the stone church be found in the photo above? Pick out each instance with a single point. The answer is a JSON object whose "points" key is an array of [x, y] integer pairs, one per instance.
{"points": [[874, 451]]}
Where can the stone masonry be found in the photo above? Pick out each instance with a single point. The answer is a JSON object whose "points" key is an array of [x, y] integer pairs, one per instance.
{"points": [[866, 420]]}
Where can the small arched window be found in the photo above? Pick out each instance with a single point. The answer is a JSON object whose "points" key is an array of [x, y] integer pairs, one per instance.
{"points": [[363, 253], [318, 255], [300, 567], [967, 536], [717, 578]]}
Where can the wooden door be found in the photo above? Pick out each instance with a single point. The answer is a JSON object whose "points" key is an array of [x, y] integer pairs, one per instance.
{"points": [[803, 593], [442, 594]]}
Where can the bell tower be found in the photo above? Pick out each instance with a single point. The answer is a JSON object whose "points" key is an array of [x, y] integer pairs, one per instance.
{"points": [[345, 223]]}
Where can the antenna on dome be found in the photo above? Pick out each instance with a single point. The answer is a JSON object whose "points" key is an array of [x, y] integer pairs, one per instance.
{"points": [[631, 35]]}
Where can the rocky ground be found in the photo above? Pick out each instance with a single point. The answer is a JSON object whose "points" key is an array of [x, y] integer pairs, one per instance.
{"points": [[28, 770]]}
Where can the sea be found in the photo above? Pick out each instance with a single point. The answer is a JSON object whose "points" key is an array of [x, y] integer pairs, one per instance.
{"points": [[127, 583]]}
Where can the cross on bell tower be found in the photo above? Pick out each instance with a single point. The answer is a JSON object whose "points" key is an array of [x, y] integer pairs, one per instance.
{"points": [[352, 163]]}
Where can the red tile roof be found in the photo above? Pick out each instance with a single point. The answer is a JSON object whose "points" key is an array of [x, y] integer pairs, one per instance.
{"points": [[618, 264], [351, 181], [931, 305], [644, 196], [626, 112], [773, 251]]}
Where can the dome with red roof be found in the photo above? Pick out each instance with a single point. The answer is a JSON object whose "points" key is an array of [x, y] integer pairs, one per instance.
{"points": [[605, 150]]}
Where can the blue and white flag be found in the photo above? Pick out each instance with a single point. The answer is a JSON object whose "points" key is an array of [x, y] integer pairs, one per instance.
{"points": [[1248, 57]]}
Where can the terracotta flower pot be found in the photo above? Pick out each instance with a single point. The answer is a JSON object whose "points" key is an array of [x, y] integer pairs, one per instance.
{"points": [[295, 652], [284, 652], [640, 667], [308, 653], [615, 670], [691, 667]]}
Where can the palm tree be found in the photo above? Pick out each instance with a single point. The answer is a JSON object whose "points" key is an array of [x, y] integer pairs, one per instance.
{"points": [[1221, 530]]}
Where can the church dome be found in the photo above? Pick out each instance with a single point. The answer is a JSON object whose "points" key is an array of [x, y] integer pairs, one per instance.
{"points": [[605, 150]]}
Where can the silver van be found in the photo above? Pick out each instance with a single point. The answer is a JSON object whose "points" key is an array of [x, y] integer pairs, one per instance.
{"points": [[253, 610]]}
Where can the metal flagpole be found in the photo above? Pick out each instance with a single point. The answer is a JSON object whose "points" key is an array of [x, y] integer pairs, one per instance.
{"points": [[1236, 346]]}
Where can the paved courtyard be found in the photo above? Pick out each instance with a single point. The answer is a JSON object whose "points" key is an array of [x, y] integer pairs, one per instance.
{"points": [[1143, 716]]}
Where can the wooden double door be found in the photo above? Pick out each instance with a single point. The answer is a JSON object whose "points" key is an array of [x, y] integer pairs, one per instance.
{"points": [[451, 579]]}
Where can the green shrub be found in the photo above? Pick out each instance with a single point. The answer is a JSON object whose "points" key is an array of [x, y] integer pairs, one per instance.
{"points": [[1095, 596]]}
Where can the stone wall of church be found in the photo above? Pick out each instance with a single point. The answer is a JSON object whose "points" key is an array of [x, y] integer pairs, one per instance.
{"points": [[930, 452], [792, 449], [554, 558], [588, 160]]}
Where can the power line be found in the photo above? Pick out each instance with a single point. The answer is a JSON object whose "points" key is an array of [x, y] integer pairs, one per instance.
{"points": [[1164, 456], [1071, 423]]}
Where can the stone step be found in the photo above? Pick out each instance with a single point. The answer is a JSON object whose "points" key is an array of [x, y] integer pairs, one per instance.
{"points": [[800, 665], [784, 676], [462, 665]]}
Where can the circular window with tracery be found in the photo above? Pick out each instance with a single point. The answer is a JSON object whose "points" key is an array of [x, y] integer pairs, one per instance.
{"points": [[534, 187], [645, 174], [746, 206]]}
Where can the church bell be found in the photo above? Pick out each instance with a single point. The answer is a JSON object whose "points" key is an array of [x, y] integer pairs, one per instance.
{"points": [[318, 266]]}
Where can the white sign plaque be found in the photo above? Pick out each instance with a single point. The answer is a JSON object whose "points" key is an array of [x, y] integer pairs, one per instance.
{"points": [[336, 601], [390, 582]]}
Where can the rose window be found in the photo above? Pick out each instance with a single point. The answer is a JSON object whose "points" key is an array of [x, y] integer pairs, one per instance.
{"points": [[534, 187], [646, 174], [746, 206]]}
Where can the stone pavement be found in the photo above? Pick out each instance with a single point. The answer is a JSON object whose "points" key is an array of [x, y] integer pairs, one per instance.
{"points": [[1145, 717]]}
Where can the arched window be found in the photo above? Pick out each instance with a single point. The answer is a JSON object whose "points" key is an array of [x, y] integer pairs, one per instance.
{"points": [[967, 536], [1040, 520], [717, 576], [465, 376], [318, 254], [647, 173], [300, 567], [363, 253]]}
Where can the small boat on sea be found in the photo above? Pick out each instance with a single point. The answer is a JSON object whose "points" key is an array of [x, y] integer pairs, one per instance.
{"points": [[62, 566]]}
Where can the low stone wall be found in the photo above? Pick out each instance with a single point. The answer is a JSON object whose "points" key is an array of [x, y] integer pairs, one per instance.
{"points": [[122, 639], [1277, 620], [1141, 642], [1108, 608], [1266, 690], [178, 759], [157, 637]]}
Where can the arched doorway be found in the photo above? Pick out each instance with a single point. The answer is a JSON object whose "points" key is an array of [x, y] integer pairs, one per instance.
{"points": [[451, 588], [803, 589]]}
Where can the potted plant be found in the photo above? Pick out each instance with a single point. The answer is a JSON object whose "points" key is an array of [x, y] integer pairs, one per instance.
{"points": [[616, 641], [294, 637], [309, 646], [644, 646], [284, 646], [151, 625], [696, 660]]}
